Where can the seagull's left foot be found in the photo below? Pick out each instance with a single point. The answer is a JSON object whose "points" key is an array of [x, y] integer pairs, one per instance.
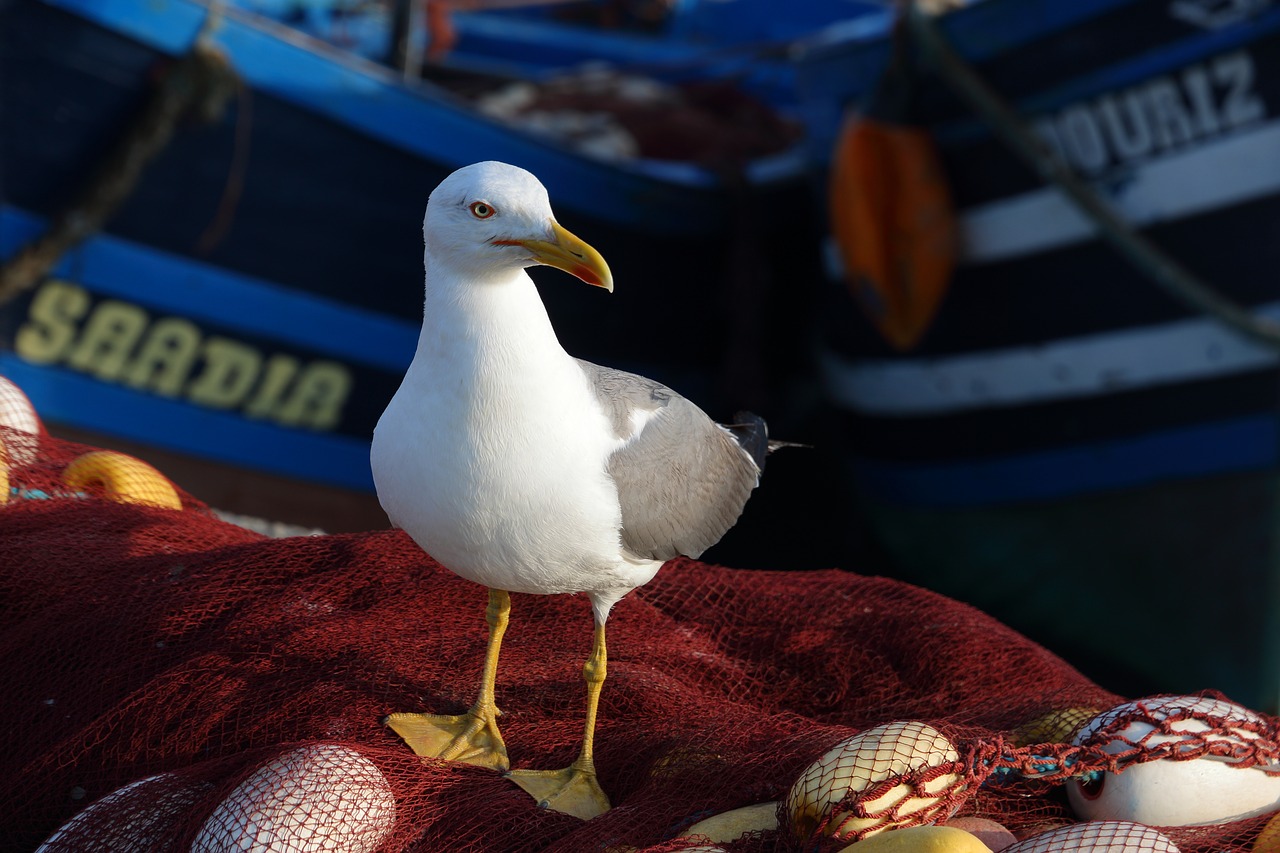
{"points": [[472, 738], [573, 790]]}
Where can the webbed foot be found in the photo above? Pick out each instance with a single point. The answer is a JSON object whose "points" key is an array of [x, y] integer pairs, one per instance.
{"points": [[472, 738], [573, 790]]}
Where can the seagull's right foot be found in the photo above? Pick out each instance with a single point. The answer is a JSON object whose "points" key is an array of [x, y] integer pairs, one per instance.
{"points": [[472, 738]]}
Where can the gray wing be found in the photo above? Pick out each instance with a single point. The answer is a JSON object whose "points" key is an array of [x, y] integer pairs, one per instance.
{"points": [[682, 479]]}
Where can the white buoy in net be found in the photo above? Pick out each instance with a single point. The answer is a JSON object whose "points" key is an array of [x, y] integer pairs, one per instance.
{"points": [[139, 816], [17, 413], [322, 797]]}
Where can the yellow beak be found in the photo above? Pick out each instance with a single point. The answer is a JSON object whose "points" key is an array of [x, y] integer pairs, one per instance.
{"points": [[571, 254]]}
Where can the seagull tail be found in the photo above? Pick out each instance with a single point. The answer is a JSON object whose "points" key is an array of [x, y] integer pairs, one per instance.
{"points": [[753, 435]]}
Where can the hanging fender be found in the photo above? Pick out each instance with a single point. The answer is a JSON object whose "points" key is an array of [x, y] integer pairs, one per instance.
{"points": [[894, 225]]}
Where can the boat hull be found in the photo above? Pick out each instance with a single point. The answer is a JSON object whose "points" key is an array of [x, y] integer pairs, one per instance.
{"points": [[255, 298], [1069, 446]]}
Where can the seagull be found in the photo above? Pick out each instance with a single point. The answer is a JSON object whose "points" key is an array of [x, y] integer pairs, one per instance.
{"points": [[524, 469]]}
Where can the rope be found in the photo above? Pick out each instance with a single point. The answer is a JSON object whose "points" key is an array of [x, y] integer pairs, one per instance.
{"points": [[1166, 272], [199, 83]]}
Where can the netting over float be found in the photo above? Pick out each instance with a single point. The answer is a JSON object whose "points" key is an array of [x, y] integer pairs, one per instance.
{"points": [[173, 683]]}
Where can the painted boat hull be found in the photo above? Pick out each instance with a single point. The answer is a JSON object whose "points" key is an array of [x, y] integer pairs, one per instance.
{"points": [[744, 40], [256, 298], [1069, 447]]}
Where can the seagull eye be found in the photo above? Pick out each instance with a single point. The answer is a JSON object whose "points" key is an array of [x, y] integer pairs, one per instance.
{"points": [[481, 210]]}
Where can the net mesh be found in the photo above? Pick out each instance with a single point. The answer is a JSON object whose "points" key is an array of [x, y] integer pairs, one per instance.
{"points": [[174, 682]]}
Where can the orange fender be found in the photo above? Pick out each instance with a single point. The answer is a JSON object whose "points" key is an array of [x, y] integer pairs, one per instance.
{"points": [[894, 224]]}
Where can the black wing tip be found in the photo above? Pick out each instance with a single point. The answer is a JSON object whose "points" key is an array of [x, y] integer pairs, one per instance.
{"points": [[752, 434]]}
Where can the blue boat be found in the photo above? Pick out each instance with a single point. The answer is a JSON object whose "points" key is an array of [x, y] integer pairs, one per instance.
{"points": [[747, 40], [1085, 455], [254, 295]]}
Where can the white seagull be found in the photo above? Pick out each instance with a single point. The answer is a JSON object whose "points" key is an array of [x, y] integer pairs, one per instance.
{"points": [[521, 468]]}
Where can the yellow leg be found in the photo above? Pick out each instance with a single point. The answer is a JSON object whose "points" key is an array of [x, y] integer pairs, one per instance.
{"points": [[473, 737], [574, 790]]}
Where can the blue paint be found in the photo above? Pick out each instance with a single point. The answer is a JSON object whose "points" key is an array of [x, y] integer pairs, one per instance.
{"points": [[1121, 75], [1145, 65], [167, 283], [419, 119], [1243, 444], [978, 32], [537, 49], [63, 396], [831, 75]]}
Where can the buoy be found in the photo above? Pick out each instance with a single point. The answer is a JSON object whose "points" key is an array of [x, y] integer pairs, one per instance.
{"points": [[121, 478], [894, 225]]}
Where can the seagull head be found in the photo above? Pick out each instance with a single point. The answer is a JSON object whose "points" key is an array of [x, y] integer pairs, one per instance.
{"points": [[488, 219]]}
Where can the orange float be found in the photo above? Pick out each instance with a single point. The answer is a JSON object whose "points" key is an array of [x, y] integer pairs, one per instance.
{"points": [[894, 224]]}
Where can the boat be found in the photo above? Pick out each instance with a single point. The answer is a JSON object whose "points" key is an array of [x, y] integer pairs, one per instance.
{"points": [[1063, 437], [534, 40], [229, 285]]}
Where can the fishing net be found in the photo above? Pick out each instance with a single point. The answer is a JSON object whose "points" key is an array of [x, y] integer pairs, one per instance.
{"points": [[174, 682]]}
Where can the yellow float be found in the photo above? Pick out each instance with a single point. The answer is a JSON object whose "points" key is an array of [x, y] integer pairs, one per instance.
{"points": [[732, 825], [121, 478], [1268, 841], [920, 839], [1054, 727]]}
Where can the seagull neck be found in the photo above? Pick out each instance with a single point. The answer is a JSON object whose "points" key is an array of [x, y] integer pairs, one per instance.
{"points": [[498, 313]]}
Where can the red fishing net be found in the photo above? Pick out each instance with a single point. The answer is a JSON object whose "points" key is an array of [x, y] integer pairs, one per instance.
{"points": [[173, 682]]}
